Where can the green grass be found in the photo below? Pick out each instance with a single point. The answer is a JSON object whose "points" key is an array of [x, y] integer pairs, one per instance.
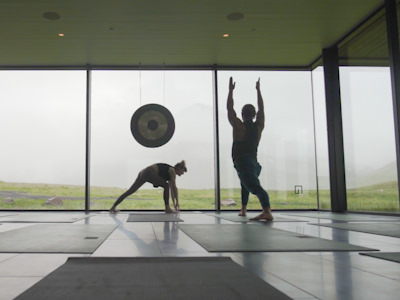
{"points": [[381, 197]]}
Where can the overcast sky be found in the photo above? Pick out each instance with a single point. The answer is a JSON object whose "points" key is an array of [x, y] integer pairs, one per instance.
{"points": [[42, 116]]}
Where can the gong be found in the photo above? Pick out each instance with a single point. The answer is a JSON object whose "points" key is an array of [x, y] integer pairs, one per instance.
{"points": [[152, 125]]}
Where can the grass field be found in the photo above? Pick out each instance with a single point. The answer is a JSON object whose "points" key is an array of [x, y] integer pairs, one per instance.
{"points": [[381, 197]]}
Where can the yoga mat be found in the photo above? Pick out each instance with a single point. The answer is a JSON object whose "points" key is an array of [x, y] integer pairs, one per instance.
{"points": [[55, 238], [45, 217], [386, 229], [391, 256], [346, 217], [258, 238], [154, 217], [236, 218], [6, 215], [161, 278]]}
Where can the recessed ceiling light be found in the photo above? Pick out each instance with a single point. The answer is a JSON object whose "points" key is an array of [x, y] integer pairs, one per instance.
{"points": [[61, 34], [225, 35], [235, 16], [51, 15]]}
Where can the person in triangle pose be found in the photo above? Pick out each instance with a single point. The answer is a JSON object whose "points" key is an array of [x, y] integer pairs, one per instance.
{"points": [[160, 175]]}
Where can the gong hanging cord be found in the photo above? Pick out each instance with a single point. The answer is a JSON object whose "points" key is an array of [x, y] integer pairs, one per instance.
{"points": [[140, 88], [164, 91]]}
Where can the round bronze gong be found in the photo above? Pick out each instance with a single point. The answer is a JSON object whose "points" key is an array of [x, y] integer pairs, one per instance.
{"points": [[152, 125]]}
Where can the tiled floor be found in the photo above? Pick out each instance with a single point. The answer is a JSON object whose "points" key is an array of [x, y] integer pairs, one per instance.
{"points": [[301, 275]]}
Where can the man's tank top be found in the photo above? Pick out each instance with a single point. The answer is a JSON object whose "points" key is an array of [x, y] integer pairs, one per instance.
{"points": [[247, 147], [163, 171]]}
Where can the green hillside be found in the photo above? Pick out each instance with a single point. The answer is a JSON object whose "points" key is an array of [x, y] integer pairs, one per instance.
{"points": [[380, 197]]}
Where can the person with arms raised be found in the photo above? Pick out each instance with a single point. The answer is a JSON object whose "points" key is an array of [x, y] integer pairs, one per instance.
{"points": [[246, 137]]}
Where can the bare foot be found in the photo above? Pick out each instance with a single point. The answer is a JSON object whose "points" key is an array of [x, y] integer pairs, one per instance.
{"points": [[243, 212], [169, 211], [265, 215], [113, 211]]}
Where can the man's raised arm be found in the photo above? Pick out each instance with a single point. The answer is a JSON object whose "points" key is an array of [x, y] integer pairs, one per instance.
{"points": [[260, 119], [229, 105]]}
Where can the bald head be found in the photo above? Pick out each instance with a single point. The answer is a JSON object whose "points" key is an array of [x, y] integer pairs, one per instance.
{"points": [[248, 112]]}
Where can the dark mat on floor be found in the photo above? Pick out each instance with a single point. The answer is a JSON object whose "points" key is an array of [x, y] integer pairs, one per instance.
{"points": [[43, 217], [346, 217], [160, 278], [259, 238], [386, 228], [391, 256], [55, 238], [153, 217], [235, 218]]}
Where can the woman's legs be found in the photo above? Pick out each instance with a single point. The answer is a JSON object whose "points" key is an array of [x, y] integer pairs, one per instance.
{"points": [[135, 186], [146, 175], [157, 181]]}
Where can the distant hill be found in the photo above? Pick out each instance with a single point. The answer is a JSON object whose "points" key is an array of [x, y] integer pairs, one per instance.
{"points": [[387, 173]]}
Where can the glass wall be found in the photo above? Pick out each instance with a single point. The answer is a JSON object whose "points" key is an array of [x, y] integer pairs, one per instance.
{"points": [[42, 121], [116, 157], [287, 149], [43, 157], [43, 162], [369, 144], [368, 120]]}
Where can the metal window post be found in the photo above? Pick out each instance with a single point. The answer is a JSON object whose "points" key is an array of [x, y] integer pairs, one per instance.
{"points": [[87, 161], [216, 143], [335, 129], [394, 59]]}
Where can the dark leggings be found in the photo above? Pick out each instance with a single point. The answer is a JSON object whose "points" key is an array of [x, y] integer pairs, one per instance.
{"points": [[146, 175], [248, 171]]}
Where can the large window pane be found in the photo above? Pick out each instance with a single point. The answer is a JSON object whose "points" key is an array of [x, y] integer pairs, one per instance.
{"points": [[42, 121], [370, 158], [321, 139], [116, 157], [286, 151]]}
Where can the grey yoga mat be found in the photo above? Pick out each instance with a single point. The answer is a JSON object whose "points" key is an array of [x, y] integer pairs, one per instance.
{"points": [[161, 278], [55, 238], [259, 238]]}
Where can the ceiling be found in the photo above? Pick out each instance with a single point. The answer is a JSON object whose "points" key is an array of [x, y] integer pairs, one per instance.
{"points": [[368, 45], [175, 33]]}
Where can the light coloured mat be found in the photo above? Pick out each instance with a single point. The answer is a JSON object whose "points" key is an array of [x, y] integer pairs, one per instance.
{"points": [[55, 238], [161, 278], [6, 215], [346, 217], [385, 228], [391, 256], [259, 238], [153, 217], [44, 217], [235, 218]]}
